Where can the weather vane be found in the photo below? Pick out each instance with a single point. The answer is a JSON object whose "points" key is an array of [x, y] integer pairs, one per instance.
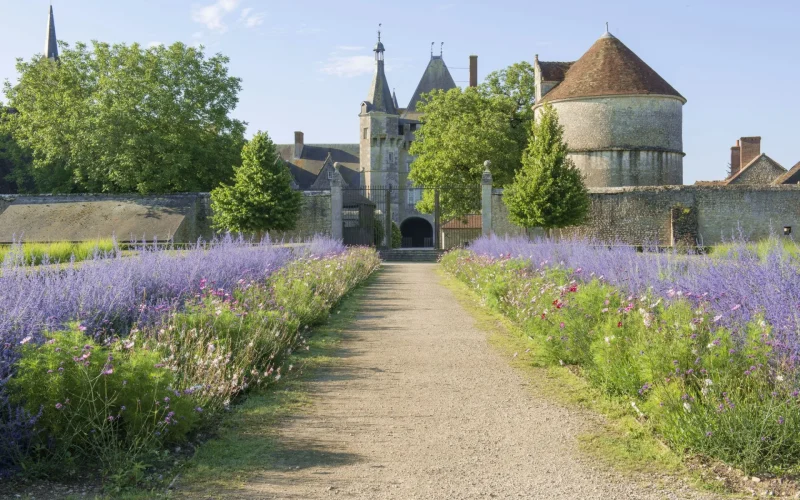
{"points": [[379, 31], [432, 48], [606, 26], [441, 49]]}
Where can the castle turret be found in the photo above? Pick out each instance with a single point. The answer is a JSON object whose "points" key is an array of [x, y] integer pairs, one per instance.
{"points": [[51, 43], [623, 123], [381, 138]]}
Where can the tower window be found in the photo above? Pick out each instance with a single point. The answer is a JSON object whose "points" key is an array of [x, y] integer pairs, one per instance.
{"points": [[366, 132]]}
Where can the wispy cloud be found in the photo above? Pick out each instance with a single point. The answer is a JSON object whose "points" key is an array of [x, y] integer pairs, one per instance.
{"points": [[213, 15], [251, 19], [347, 67], [349, 48]]}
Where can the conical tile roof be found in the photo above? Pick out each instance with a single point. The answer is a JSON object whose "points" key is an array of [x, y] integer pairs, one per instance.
{"points": [[609, 67]]}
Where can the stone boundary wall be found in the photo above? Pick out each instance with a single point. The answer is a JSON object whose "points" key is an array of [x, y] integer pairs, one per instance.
{"points": [[181, 217], [645, 215]]}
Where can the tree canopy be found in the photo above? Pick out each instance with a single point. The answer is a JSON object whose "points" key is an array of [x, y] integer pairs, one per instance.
{"points": [[463, 128], [548, 191], [261, 197], [123, 118]]}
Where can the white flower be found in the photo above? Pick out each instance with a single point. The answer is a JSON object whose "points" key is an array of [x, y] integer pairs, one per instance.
{"points": [[708, 382], [779, 378], [26, 339], [687, 407]]}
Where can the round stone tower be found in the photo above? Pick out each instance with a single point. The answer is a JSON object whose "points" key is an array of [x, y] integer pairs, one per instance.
{"points": [[623, 123]]}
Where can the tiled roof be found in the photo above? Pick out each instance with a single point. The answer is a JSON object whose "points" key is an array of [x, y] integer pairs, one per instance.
{"points": [[554, 71], [790, 177], [610, 68], [472, 221], [308, 167], [436, 77]]}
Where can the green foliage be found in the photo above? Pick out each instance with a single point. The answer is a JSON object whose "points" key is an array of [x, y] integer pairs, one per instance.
{"points": [[15, 163], [106, 403], [61, 251], [261, 197], [700, 387], [548, 190], [397, 236], [122, 118], [460, 130], [518, 84]]}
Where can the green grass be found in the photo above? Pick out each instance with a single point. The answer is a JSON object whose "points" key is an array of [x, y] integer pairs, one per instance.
{"points": [[617, 439], [59, 251], [247, 440], [761, 248]]}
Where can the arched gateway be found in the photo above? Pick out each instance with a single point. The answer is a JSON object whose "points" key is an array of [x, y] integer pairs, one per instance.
{"points": [[417, 233]]}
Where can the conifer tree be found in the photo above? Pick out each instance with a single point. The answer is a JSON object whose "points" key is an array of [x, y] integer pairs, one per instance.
{"points": [[548, 191], [261, 197]]}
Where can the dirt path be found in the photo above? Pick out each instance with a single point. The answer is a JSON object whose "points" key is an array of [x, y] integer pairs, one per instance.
{"points": [[420, 406]]}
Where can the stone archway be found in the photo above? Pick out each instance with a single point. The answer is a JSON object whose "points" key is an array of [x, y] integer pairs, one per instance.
{"points": [[417, 233]]}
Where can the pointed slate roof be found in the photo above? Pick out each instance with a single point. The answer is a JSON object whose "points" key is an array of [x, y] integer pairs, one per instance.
{"points": [[51, 43], [609, 67], [380, 96], [436, 76], [790, 177]]}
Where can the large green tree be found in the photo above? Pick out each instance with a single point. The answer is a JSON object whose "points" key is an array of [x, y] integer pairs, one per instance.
{"points": [[261, 197], [463, 128], [548, 191], [124, 118]]}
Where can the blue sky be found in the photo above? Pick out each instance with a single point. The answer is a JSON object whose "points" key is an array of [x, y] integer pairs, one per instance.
{"points": [[306, 65]]}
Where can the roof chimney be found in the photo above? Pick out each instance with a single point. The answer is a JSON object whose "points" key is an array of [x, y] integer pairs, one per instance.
{"points": [[736, 159], [298, 144], [751, 148], [473, 71]]}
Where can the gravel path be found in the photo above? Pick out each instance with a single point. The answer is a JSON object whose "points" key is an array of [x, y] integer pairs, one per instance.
{"points": [[420, 406]]}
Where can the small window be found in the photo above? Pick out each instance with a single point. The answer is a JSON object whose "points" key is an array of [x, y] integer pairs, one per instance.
{"points": [[413, 127], [366, 132], [330, 174], [400, 130]]}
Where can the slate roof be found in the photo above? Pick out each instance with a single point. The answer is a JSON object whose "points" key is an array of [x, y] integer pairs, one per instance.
{"points": [[790, 177], [51, 43], [380, 97], [307, 169], [436, 76], [554, 71], [610, 68]]}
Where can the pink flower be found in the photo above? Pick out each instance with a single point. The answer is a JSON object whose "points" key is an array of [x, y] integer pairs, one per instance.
{"points": [[59, 406]]}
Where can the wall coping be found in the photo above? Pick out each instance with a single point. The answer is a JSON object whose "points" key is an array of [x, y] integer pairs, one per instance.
{"points": [[686, 188], [123, 196]]}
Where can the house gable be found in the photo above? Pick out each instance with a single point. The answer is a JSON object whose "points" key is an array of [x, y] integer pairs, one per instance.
{"points": [[763, 170]]}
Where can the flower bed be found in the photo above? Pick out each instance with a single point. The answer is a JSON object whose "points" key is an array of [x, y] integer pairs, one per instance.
{"points": [[703, 349], [111, 361]]}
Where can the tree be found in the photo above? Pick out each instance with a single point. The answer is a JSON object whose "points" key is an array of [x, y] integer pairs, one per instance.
{"points": [[460, 130], [261, 197], [123, 118], [548, 191], [463, 128]]}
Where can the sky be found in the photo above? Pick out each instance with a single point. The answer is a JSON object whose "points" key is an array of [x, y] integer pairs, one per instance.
{"points": [[307, 65]]}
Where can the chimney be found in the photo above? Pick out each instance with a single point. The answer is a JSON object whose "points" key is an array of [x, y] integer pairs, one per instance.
{"points": [[736, 159], [298, 144], [473, 71], [751, 148]]}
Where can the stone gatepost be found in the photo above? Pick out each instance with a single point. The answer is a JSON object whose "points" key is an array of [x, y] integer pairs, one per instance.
{"points": [[337, 204], [486, 199]]}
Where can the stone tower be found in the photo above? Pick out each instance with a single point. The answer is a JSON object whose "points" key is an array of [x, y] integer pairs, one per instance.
{"points": [[380, 137], [51, 43], [623, 123]]}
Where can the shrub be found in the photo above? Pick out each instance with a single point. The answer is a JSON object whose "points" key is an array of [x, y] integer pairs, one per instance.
{"points": [[707, 376]]}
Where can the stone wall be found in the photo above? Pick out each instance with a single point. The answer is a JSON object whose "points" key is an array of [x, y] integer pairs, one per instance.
{"points": [[642, 215], [182, 218]]}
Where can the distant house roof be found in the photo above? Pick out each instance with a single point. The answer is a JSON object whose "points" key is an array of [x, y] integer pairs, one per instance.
{"points": [[610, 68], [472, 221], [792, 176], [761, 170], [554, 71], [308, 168], [436, 77]]}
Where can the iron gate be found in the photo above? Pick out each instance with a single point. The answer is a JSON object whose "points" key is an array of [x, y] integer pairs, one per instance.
{"points": [[411, 216]]}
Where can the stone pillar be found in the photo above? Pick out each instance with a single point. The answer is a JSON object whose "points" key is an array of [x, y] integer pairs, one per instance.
{"points": [[486, 199], [337, 204], [387, 213]]}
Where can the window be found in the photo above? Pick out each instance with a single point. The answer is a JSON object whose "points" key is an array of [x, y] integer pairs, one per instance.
{"points": [[366, 133], [414, 195], [330, 174], [413, 127]]}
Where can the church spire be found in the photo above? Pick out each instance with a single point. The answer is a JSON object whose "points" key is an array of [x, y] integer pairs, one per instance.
{"points": [[51, 44], [380, 96]]}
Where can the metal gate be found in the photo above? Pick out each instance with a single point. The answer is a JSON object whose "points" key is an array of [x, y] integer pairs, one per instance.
{"points": [[411, 216]]}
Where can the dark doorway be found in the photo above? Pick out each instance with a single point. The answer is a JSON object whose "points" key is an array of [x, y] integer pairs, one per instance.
{"points": [[417, 233]]}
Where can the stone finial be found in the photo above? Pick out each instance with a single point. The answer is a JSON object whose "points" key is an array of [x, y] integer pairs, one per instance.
{"points": [[337, 175], [486, 178]]}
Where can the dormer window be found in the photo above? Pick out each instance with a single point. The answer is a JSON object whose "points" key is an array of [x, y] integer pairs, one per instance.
{"points": [[330, 174]]}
